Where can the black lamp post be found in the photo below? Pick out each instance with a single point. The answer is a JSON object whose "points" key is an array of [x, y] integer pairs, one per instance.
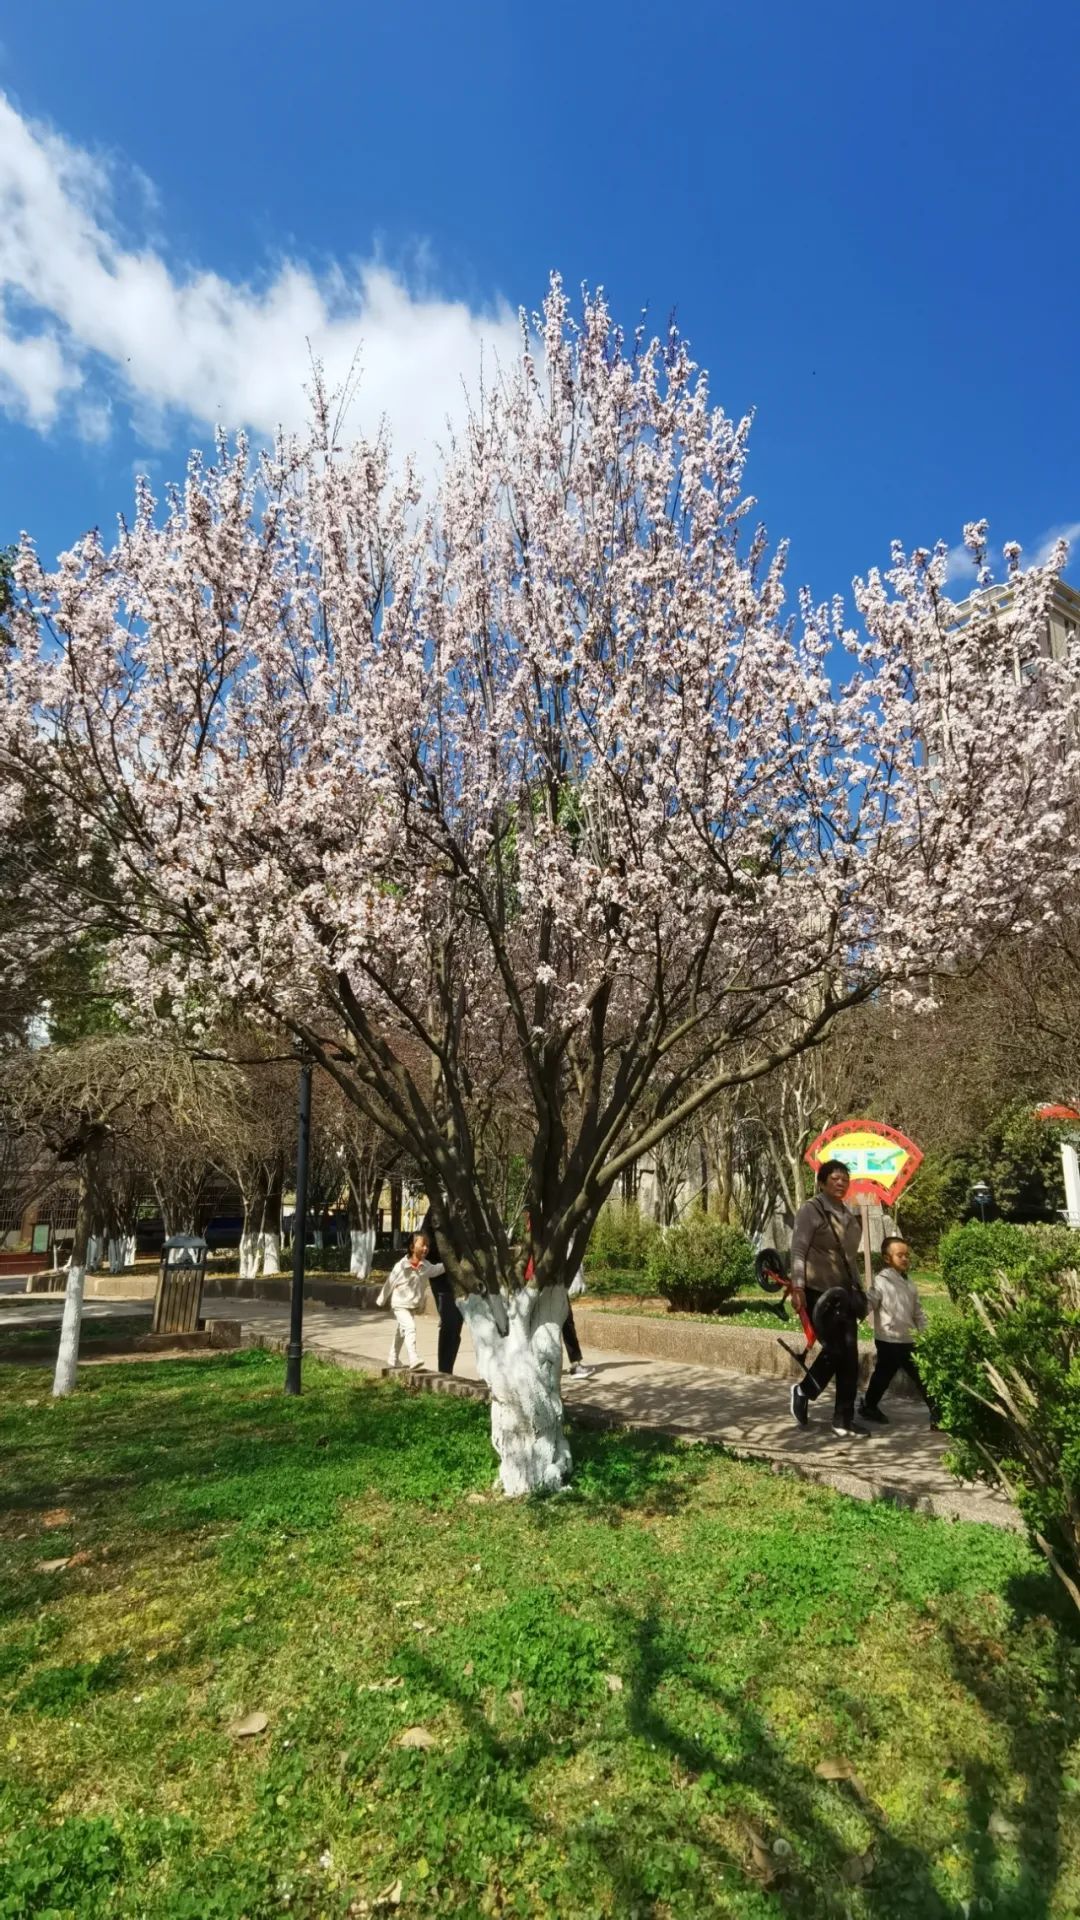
{"points": [[296, 1306], [982, 1197]]}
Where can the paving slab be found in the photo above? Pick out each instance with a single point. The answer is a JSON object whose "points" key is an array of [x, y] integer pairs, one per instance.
{"points": [[903, 1462]]}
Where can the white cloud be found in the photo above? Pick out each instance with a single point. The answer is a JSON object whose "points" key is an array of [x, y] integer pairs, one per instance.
{"points": [[89, 316], [1069, 531], [962, 564]]}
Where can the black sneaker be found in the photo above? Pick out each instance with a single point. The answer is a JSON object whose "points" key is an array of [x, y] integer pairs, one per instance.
{"points": [[798, 1404], [873, 1414]]}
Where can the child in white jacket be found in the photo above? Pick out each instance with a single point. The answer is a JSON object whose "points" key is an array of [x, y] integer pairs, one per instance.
{"points": [[405, 1288], [898, 1320]]}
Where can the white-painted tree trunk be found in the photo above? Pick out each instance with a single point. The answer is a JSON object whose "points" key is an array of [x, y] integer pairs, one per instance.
{"points": [[518, 1346], [121, 1253], [93, 1253], [67, 1359], [361, 1251], [271, 1252], [318, 1239], [249, 1254]]}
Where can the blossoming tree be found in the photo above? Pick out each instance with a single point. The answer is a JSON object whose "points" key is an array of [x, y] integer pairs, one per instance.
{"points": [[533, 765]]}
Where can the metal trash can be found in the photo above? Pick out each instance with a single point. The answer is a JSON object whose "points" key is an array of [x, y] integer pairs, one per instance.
{"points": [[178, 1300]]}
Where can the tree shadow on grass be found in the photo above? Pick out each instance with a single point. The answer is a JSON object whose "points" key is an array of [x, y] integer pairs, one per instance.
{"points": [[782, 1803], [737, 1795], [61, 1690], [1038, 1746], [620, 1471]]}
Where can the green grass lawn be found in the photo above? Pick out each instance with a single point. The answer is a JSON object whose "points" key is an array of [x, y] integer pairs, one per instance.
{"points": [[685, 1688]]}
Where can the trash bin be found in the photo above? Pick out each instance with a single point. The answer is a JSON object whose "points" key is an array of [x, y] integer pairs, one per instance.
{"points": [[178, 1300]]}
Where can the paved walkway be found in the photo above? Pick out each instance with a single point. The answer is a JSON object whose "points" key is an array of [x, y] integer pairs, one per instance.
{"points": [[902, 1462]]}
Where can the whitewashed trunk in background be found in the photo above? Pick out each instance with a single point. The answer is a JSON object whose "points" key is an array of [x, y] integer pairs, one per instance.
{"points": [[115, 1256], [317, 1241], [518, 1346], [249, 1254], [1070, 1167], [93, 1254], [67, 1359], [361, 1251], [271, 1253]]}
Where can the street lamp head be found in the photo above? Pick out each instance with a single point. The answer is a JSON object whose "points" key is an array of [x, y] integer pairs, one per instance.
{"points": [[982, 1198]]}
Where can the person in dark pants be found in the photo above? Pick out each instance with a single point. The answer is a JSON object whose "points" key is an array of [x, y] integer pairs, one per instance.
{"points": [[824, 1251], [578, 1368], [450, 1320], [835, 1316], [898, 1320]]}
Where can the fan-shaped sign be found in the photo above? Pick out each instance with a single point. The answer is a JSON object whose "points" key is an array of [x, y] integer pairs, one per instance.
{"points": [[881, 1161]]}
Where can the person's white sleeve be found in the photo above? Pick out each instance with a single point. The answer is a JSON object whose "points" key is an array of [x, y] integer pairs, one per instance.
{"points": [[434, 1269], [391, 1281]]}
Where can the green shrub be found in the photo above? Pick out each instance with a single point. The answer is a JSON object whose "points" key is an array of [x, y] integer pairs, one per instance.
{"points": [[1021, 1158], [622, 1238], [605, 1282], [1004, 1370], [932, 1204], [974, 1257], [700, 1263]]}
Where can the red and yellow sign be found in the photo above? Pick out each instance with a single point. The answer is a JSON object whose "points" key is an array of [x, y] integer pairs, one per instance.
{"points": [[881, 1161]]}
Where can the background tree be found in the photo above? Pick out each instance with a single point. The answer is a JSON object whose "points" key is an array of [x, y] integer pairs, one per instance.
{"points": [[360, 1159], [88, 1108], [246, 1127], [964, 1079], [539, 754]]}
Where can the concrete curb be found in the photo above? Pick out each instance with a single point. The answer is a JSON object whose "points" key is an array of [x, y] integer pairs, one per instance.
{"points": [[735, 1349]]}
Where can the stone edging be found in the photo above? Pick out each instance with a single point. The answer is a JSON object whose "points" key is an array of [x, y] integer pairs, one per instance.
{"points": [[753, 1350]]}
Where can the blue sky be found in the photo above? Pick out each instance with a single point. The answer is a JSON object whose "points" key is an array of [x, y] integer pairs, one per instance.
{"points": [[862, 214]]}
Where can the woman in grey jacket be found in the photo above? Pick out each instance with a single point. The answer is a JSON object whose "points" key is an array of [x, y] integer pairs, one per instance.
{"points": [[825, 1275]]}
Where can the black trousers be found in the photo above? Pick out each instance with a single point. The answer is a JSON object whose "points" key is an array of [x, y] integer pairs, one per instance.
{"points": [[840, 1358], [569, 1334], [893, 1357], [450, 1325]]}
